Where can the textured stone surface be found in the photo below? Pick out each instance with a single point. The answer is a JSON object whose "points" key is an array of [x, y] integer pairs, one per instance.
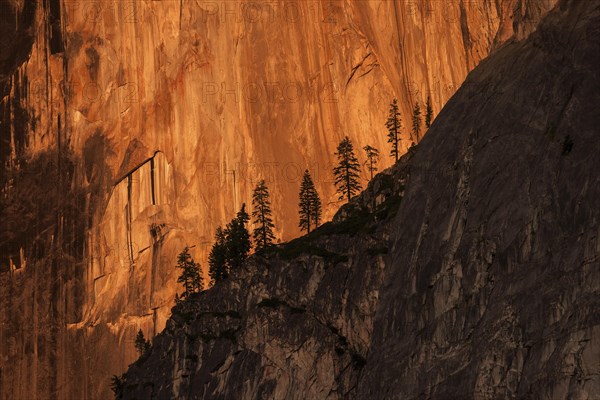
{"points": [[181, 94], [494, 288], [489, 284]]}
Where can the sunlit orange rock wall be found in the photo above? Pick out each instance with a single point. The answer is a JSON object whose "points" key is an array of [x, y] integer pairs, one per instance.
{"points": [[174, 110]]}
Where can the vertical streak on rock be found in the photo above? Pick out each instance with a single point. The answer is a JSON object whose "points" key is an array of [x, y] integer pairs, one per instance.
{"points": [[420, 237], [180, 12], [156, 247], [402, 25], [58, 263], [427, 69], [59, 174], [65, 61], [152, 181], [128, 220], [154, 333], [13, 150], [35, 332], [465, 35], [46, 59]]}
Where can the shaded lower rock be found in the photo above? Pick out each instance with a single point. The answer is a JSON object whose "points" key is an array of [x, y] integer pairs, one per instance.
{"points": [[295, 323]]}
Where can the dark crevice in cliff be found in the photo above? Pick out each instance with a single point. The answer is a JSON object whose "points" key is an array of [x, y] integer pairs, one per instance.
{"points": [[32, 230], [16, 39], [358, 66], [56, 39], [152, 182], [128, 221]]}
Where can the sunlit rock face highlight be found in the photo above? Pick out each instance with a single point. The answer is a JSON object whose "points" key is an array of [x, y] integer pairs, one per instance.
{"points": [[168, 113], [468, 270]]}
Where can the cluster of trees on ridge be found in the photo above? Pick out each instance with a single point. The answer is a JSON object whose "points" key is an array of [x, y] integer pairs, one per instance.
{"points": [[233, 243]]}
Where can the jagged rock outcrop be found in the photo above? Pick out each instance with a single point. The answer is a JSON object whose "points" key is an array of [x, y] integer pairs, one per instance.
{"points": [[482, 282], [129, 119]]}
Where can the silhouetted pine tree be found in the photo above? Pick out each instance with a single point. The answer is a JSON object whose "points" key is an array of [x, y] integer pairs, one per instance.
{"points": [[238, 239], [140, 342], [347, 172], [117, 384], [416, 122], [428, 113], [393, 125], [261, 213], [217, 258], [315, 202], [309, 205], [372, 159], [190, 274]]}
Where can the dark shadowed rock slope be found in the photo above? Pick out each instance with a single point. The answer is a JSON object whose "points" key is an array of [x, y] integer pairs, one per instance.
{"points": [[471, 269]]}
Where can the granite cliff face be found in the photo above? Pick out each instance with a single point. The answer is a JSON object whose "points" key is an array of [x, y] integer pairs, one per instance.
{"points": [[471, 269], [130, 129]]}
